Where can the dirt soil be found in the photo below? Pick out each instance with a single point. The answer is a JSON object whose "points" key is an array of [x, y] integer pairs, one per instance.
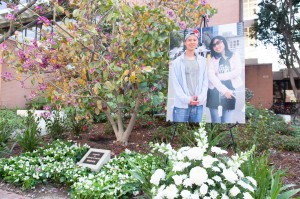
{"points": [[138, 141]]}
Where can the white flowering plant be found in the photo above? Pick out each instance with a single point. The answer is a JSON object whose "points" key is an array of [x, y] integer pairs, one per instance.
{"points": [[193, 173], [56, 161], [116, 179]]}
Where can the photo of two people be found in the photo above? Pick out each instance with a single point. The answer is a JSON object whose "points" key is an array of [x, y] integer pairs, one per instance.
{"points": [[207, 75]]}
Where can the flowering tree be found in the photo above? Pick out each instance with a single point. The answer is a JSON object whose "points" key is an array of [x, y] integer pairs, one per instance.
{"points": [[106, 55]]}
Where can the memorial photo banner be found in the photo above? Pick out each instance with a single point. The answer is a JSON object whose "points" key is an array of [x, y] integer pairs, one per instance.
{"points": [[207, 75]]}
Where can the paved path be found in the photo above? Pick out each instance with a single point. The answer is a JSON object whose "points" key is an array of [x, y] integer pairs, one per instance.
{"points": [[10, 195], [46, 192]]}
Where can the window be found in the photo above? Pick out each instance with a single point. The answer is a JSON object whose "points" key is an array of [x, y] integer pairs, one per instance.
{"points": [[250, 6]]}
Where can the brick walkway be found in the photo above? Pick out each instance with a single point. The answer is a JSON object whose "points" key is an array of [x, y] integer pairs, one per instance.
{"points": [[10, 195]]}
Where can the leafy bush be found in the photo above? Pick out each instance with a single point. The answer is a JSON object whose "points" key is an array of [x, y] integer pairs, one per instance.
{"points": [[100, 118], [284, 142], [55, 124], [29, 140], [262, 129], [37, 103], [10, 121], [183, 132], [268, 180], [76, 121]]}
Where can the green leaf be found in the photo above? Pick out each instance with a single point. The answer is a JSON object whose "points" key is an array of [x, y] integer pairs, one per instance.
{"points": [[75, 13], [288, 194]]}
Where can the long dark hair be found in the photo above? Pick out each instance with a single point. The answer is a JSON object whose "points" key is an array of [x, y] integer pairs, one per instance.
{"points": [[216, 55]]}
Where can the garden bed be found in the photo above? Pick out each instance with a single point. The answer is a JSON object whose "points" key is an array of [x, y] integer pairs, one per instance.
{"points": [[139, 141]]}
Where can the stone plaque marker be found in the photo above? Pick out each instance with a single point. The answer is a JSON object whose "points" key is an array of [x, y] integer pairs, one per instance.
{"points": [[95, 159]]}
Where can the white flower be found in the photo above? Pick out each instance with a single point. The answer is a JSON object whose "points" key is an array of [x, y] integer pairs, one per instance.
{"points": [[160, 192], [195, 195], [240, 173], [211, 182], [195, 153], [252, 180], [185, 194], [224, 196], [180, 166], [217, 169], [247, 195], [127, 151], [217, 178], [245, 185], [171, 191], [157, 176], [179, 156], [179, 178], [230, 176], [218, 150], [203, 189], [207, 161], [234, 191], [221, 165], [187, 182], [198, 175], [213, 194]]}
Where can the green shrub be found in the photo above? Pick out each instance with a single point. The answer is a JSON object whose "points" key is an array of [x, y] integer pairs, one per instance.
{"points": [[145, 120], [263, 129], [37, 103], [77, 122], [269, 180], [100, 118], [10, 121], [184, 133], [56, 124], [29, 140], [288, 143]]}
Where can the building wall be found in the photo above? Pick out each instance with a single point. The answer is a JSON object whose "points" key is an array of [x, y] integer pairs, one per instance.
{"points": [[12, 94], [259, 79], [228, 12]]}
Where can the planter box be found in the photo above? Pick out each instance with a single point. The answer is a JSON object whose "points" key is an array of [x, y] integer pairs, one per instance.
{"points": [[37, 114], [286, 118]]}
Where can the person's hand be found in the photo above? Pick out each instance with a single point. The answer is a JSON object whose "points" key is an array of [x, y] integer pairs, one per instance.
{"points": [[229, 94], [194, 101]]}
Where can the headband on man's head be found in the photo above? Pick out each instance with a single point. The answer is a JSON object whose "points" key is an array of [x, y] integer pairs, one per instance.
{"points": [[193, 32]]}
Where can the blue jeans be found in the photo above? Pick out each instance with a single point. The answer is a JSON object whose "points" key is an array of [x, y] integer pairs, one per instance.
{"points": [[225, 118], [190, 114]]}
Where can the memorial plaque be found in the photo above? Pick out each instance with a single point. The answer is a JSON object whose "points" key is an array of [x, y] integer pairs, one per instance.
{"points": [[95, 159]]}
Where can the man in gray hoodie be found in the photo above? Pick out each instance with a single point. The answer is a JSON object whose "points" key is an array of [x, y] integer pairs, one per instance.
{"points": [[190, 82]]}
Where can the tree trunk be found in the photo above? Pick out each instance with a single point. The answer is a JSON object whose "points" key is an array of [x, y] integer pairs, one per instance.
{"points": [[121, 135], [125, 135]]}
